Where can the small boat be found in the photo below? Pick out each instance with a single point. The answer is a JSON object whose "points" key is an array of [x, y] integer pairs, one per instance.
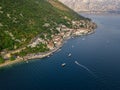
{"points": [[72, 46], [27, 61], [83, 39], [48, 56], [64, 64], [69, 54], [72, 37], [59, 50], [76, 62]]}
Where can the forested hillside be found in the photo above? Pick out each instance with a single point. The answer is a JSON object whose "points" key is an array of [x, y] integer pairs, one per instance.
{"points": [[31, 26], [22, 20]]}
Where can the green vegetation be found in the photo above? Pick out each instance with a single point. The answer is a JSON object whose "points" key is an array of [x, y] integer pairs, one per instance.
{"points": [[1, 60], [39, 48], [21, 21], [12, 58]]}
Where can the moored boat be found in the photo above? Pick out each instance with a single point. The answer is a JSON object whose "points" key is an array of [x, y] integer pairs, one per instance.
{"points": [[64, 64]]}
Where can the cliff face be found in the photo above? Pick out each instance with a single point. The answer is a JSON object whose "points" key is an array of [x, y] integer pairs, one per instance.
{"points": [[93, 5]]}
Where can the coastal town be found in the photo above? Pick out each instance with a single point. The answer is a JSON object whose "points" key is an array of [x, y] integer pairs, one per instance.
{"points": [[79, 28], [59, 45]]}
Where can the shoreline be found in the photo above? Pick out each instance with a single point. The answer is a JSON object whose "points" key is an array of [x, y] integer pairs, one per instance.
{"points": [[45, 54], [40, 55]]}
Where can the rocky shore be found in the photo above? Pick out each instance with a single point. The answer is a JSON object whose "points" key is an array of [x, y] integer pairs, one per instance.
{"points": [[79, 28]]}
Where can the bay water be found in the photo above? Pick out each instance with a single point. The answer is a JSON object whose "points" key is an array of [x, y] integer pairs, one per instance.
{"points": [[94, 63]]}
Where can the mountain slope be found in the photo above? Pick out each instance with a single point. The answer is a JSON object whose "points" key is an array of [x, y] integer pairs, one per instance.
{"points": [[22, 20], [31, 27], [93, 5]]}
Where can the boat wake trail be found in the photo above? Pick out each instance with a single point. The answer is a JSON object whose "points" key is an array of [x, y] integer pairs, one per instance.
{"points": [[95, 76], [84, 67]]}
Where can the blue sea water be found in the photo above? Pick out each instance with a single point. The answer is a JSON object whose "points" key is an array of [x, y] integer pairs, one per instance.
{"points": [[97, 68]]}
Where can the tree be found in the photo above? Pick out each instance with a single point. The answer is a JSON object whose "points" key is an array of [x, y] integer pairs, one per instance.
{"points": [[12, 58], [1, 60]]}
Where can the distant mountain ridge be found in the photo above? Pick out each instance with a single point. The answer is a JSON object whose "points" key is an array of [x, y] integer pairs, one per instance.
{"points": [[93, 5]]}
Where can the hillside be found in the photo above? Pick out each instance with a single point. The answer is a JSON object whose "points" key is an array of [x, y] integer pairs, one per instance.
{"points": [[33, 26], [22, 20], [93, 5]]}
